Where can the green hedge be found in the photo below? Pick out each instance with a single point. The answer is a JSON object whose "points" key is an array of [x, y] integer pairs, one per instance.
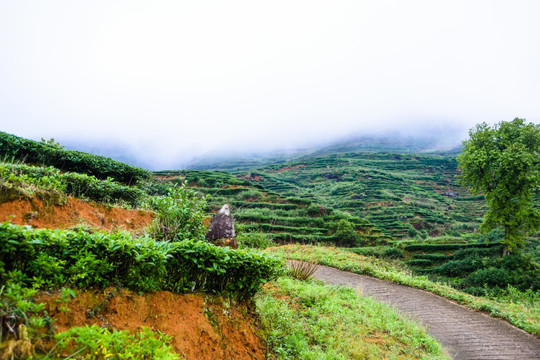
{"points": [[44, 258], [246, 204], [101, 167], [444, 247], [433, 257], [74, 184]]}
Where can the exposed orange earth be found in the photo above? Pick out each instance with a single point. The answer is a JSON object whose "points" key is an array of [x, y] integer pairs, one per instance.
{"points": [[74, 212], [202, 327]]}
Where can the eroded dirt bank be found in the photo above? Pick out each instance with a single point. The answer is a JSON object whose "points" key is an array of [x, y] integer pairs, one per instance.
{"points": [[203, 327], [37, 213]]}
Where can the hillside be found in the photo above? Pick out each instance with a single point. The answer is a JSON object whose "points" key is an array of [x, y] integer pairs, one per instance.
{"points": [[285, 218], [418, 214], [405, 195], [99, 259]]}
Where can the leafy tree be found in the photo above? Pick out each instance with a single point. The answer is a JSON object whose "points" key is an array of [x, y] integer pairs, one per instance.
{"points": [[503, 163]]}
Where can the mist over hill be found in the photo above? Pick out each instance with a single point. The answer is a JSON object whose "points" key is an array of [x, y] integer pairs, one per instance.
{"points": [[391, 142]]}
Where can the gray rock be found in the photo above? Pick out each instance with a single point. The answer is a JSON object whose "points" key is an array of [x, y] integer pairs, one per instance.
{"points": [[451, 194], [222, 225]]}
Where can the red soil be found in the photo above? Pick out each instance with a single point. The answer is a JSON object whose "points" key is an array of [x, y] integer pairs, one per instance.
{"points": [[74, 212], [201, 327]]}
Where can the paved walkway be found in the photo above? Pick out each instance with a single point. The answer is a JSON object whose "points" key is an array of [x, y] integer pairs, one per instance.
{"points": [[465, 333]]}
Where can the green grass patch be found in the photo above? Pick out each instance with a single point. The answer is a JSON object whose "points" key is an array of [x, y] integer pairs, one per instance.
{"points": [[309, 320]]}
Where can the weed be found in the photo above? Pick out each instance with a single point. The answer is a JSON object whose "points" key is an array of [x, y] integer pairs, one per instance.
{"points": [[301, 270], [95, 343]]}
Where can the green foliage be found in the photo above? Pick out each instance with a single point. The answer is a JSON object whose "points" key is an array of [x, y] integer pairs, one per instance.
{"points": [[180, 215], [95, 343], [52, 143], [502, 162], [477, 268], [346, 233], [262, 210], [33, 179], [48, 154], [444, 247], [17, 307], [307, 320], [514, 295], [254, 240], [46, 259], [105, 191], [388, 252]]}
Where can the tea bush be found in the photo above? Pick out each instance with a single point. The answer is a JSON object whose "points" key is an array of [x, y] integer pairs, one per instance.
{"points": [[74, 184], [47, 259], [388, 252], [254, 240], [101, 167]]}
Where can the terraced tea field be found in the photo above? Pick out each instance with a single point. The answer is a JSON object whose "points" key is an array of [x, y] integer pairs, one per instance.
{"points": [[404, 195], [286, 218]]}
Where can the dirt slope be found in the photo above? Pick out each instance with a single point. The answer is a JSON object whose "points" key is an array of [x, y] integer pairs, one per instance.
{"points": [[202, 327], [74, 212], [465, 333]]}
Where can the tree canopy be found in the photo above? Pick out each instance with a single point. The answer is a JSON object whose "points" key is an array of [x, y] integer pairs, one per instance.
{"points": [[503, 163]]}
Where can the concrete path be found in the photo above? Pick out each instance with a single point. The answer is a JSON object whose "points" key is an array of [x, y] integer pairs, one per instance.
{"points": [[465, 333]]}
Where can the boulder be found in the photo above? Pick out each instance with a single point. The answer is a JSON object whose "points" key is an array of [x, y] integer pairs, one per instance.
{"points": [[222, 227]]}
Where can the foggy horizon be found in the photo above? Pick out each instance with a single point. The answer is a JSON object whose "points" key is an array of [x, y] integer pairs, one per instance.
{"points": [[166, 82]]}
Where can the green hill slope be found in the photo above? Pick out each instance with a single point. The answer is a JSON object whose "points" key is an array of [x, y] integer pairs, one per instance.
{"points": [[404, 195], [286, 218]]}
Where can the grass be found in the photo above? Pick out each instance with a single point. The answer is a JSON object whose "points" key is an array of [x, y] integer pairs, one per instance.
{"points": [[309, 320], [523, 314]]}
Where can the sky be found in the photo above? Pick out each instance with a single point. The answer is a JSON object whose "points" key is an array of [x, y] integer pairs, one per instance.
{"points": [[167, 81]]}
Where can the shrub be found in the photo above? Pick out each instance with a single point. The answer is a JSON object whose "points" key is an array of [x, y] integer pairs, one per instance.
{"points": [[44, 258], [393, 253], [491, 277], [107, 191], [248, 195], [445, 247], [180, 215], [346, 234], [78, 185], [419, 262], [254, 240]]}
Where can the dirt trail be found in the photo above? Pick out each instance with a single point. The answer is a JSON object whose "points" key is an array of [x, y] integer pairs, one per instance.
{"points": [[465, 333]]}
